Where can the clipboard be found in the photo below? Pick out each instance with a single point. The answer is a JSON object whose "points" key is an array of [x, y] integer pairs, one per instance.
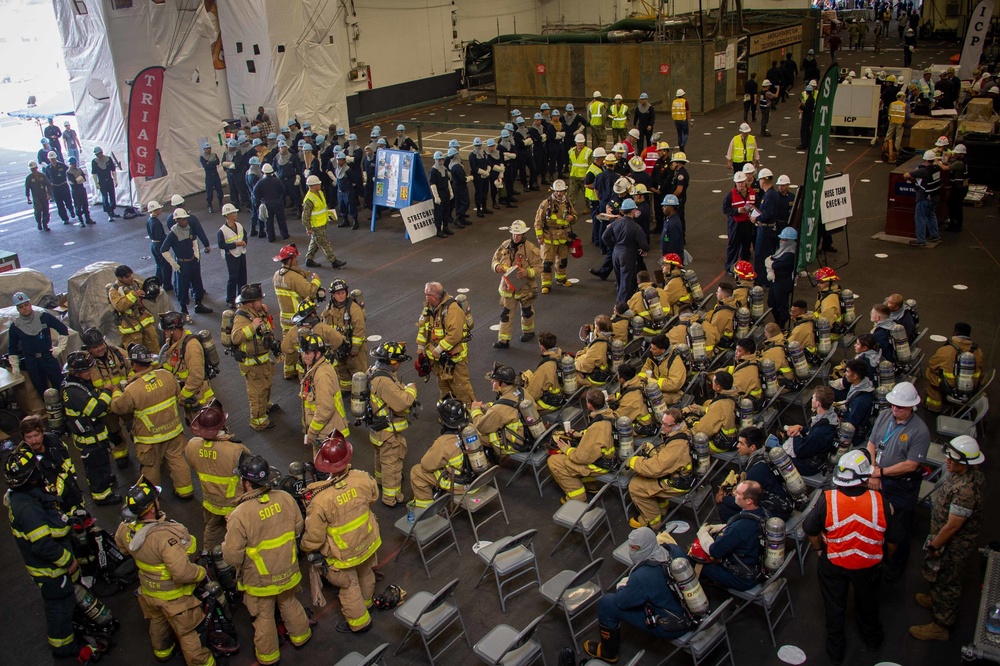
{"points": [[514, 282]]}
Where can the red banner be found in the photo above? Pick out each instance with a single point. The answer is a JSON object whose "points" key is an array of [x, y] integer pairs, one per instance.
{"points": [[144, 121]]}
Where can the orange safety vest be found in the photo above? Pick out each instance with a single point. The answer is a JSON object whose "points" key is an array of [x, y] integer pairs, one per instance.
{"points": [[855, 527]]}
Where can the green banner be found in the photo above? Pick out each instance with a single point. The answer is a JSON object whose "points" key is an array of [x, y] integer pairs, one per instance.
{"points": [[816, 168]]}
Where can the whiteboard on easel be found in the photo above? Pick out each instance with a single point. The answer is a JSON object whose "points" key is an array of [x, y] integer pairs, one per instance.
{"points": [[856, 104]]}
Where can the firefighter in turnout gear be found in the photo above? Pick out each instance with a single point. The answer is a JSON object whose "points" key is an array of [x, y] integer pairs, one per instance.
{"points": [[594, 361], [322, 403], [587, 454], [802, 326], [680, 333], [667, 367], [943, 370], [292, 285], [746, 370], [54, 463], [500, 421], [717, 417], [519, 263], [543, 384], [342, 527], [308, 322], [662, 470], [214, 454], [390, 402], [828, 299], [442, 337], [151, 398], [86, 407], [347, 316], [184, 356], [135, 322], [111, 367], [554, 229], [445, 466], [630, 401], [162, 550], [42, 535], [260, 544], [253, 341]]}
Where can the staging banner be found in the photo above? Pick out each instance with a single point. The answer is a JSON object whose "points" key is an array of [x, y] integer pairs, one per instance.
{"points": [[812, 207], [144, 121]]}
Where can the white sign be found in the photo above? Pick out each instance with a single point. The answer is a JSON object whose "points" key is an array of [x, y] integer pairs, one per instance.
{"points": [[836, 205], [419, 220], [856, 105], [975, 38]]}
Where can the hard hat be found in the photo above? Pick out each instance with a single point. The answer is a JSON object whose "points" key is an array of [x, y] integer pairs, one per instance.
{"points": [[205, 145], [826, 274], [903, 394], [927, 70], [611, 159], [618, 97], [809, 88], [621, 185], [491, 143], [229, 209], [254, 161], [538, 116], [744, 269], [311, 343], [255, 130], [171, 320], [964, 449], [749, 168], [509, 127], [231, 143], [867, 73], [381, 142], [930, 155], [139, 353], [891, 78], [938, 93], [454, 143], [813, 83], [909, 31], [739, 177], [987, 75], [313, 180], [680, 92], [628, 205], [812, 52], [993, 90], [504, 134], [391, 351], [452, 152], [352, 137], [643, 96], [307, 133], [570, 107], [744, 129], [900, 95], [559, 185], [341, 131], [304, 311], [598, 152], [941, 140], [250, 292], [502, 373], [555, 113], [210, 421], [284, 129], [267, 168], [519, 120], [880, 75], [334, 456], [477, 141], [401, 128], [177, 200], [672, 259], [92, 338], [579, 138], [79, 361], [452, 413], [290, 250], [153, 205], [319, 138], [765, 173], [270, 137], [98, 151], [257, 142], [306, 124], [34, 165], [853, 469], [619, 148], [640, 189], [545, 106], [597, 93], [340, 284], [438, 155], [634, 133], [253, 468], [52, 155], [141, 496], [765, 83], [20, 466], [852, 74], [788, 233], [670, 200], [960, 149], [679, 156], [180, 214], [72, 160], [515, 113], [518, 227], [45, 142], [636, 164]]}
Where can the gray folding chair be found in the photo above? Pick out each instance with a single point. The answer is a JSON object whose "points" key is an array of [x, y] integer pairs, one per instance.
{"points": [[768, 595], [575, 592], [710, 635], [430, 615], [480, 494], [793, 529], [619, 478], [631, 662], [376, 656], [507, 646], [967, 423], [428, 526], [584, 519], [536, 458], [510, 558]]}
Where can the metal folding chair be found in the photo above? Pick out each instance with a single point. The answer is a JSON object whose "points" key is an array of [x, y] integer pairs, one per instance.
{"points": [[507, 646], [768, 595], [619, 478], [793, 529], [705, 639], [480, 494], [585, 519], [574, 592], [429, 525], [429, 615], [510, 558], [695, 498], [536, 458], [634, 661], [376, 656]]}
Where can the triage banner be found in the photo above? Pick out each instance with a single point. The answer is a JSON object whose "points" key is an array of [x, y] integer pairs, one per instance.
{"points": [[812, 205], [419, 220], [144, 121]]}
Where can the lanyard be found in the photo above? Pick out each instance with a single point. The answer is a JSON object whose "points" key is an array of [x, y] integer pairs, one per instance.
{"points": [[888, 435]]}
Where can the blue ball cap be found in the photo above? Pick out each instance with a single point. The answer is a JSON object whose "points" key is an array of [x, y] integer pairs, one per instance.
{"points": [[452, 152], [45, 142], [257, 142], [788, 233], [98, 151], [628, 205], [20, 298], [438, 155], [477, 141], [545, 106], [538, 116], [454, 143], [490, 143], [670, 200], [401, 127], [504, 134], [254, 160]]}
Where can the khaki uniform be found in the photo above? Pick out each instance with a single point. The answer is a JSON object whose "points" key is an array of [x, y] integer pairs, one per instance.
{"points": [[441, 467], [162, 550], [718, 417], [543, 385], [722, 318], [151, 399], [499, 422], [260, 544], [773, 349], [678, 334], [322, 403], [253, 352], [391, 401], [135, 322], [803, 332], [553, 227], [584, 460], [109, 372], [651, 487], [746, 378], [593, 362], [354, 360], [442, 329], [637, 304], [632, 404], [292, 286], [525, 256], [333, 340], [186, 360], [214, 462], [941, 367], [341, 526], [670, 374]]}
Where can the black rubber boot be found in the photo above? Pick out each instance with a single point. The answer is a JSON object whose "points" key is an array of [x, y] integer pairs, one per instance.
{"points": [[607, 648]]}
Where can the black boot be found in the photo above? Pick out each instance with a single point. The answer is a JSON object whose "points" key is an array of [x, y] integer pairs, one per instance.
{"points": [[607, 648], [354, 223], [344, 224]]}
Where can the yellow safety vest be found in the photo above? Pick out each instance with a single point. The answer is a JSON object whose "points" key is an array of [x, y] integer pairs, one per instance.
{"points": [[678, 109], [579, 163], [619, 114], [320, 216], [897, 112], [741, 152], [591, 194], [596, 114]]}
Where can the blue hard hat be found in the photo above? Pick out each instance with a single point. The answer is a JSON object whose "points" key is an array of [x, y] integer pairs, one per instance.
{"points": [[438, 155], [377, 129], [452, 152], [340, 131], [809, 88], [570, 107], [282, 144], [477, 141], [302, 142], [45, 142], [515, 112], [670, 200], [241, 133], [293, 121], [72, 160], [306, 125], [352, 137], [257, 142], [254, 129], [627, 205], [545, 106], [509, 127], [320, 138], [538, 116], [284, 129], [340, 155], [454, 143], [788, 233], [504, 134], [381, 142], [231, 143], [374, 134], [271, 136], [307, 133], [643, 96], [519, 120], [401, 127], [98, 150], [555, 113], [254, 160], [306, 146], [490, 143], [205, 145]]}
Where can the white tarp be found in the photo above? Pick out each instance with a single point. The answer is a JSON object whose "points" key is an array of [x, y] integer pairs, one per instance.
{"points": [[87, 297], [33, 283]]}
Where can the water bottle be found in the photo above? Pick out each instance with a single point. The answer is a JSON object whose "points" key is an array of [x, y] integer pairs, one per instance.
{"points": [[410, 514], [993, 619]]}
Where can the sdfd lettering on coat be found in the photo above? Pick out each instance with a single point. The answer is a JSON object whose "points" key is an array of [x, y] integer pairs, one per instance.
{"points": [[269, 511], [345, 497]]}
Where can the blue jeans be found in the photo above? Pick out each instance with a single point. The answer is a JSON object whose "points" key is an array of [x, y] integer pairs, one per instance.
{"points": [[682, 132], [926, 219]]}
